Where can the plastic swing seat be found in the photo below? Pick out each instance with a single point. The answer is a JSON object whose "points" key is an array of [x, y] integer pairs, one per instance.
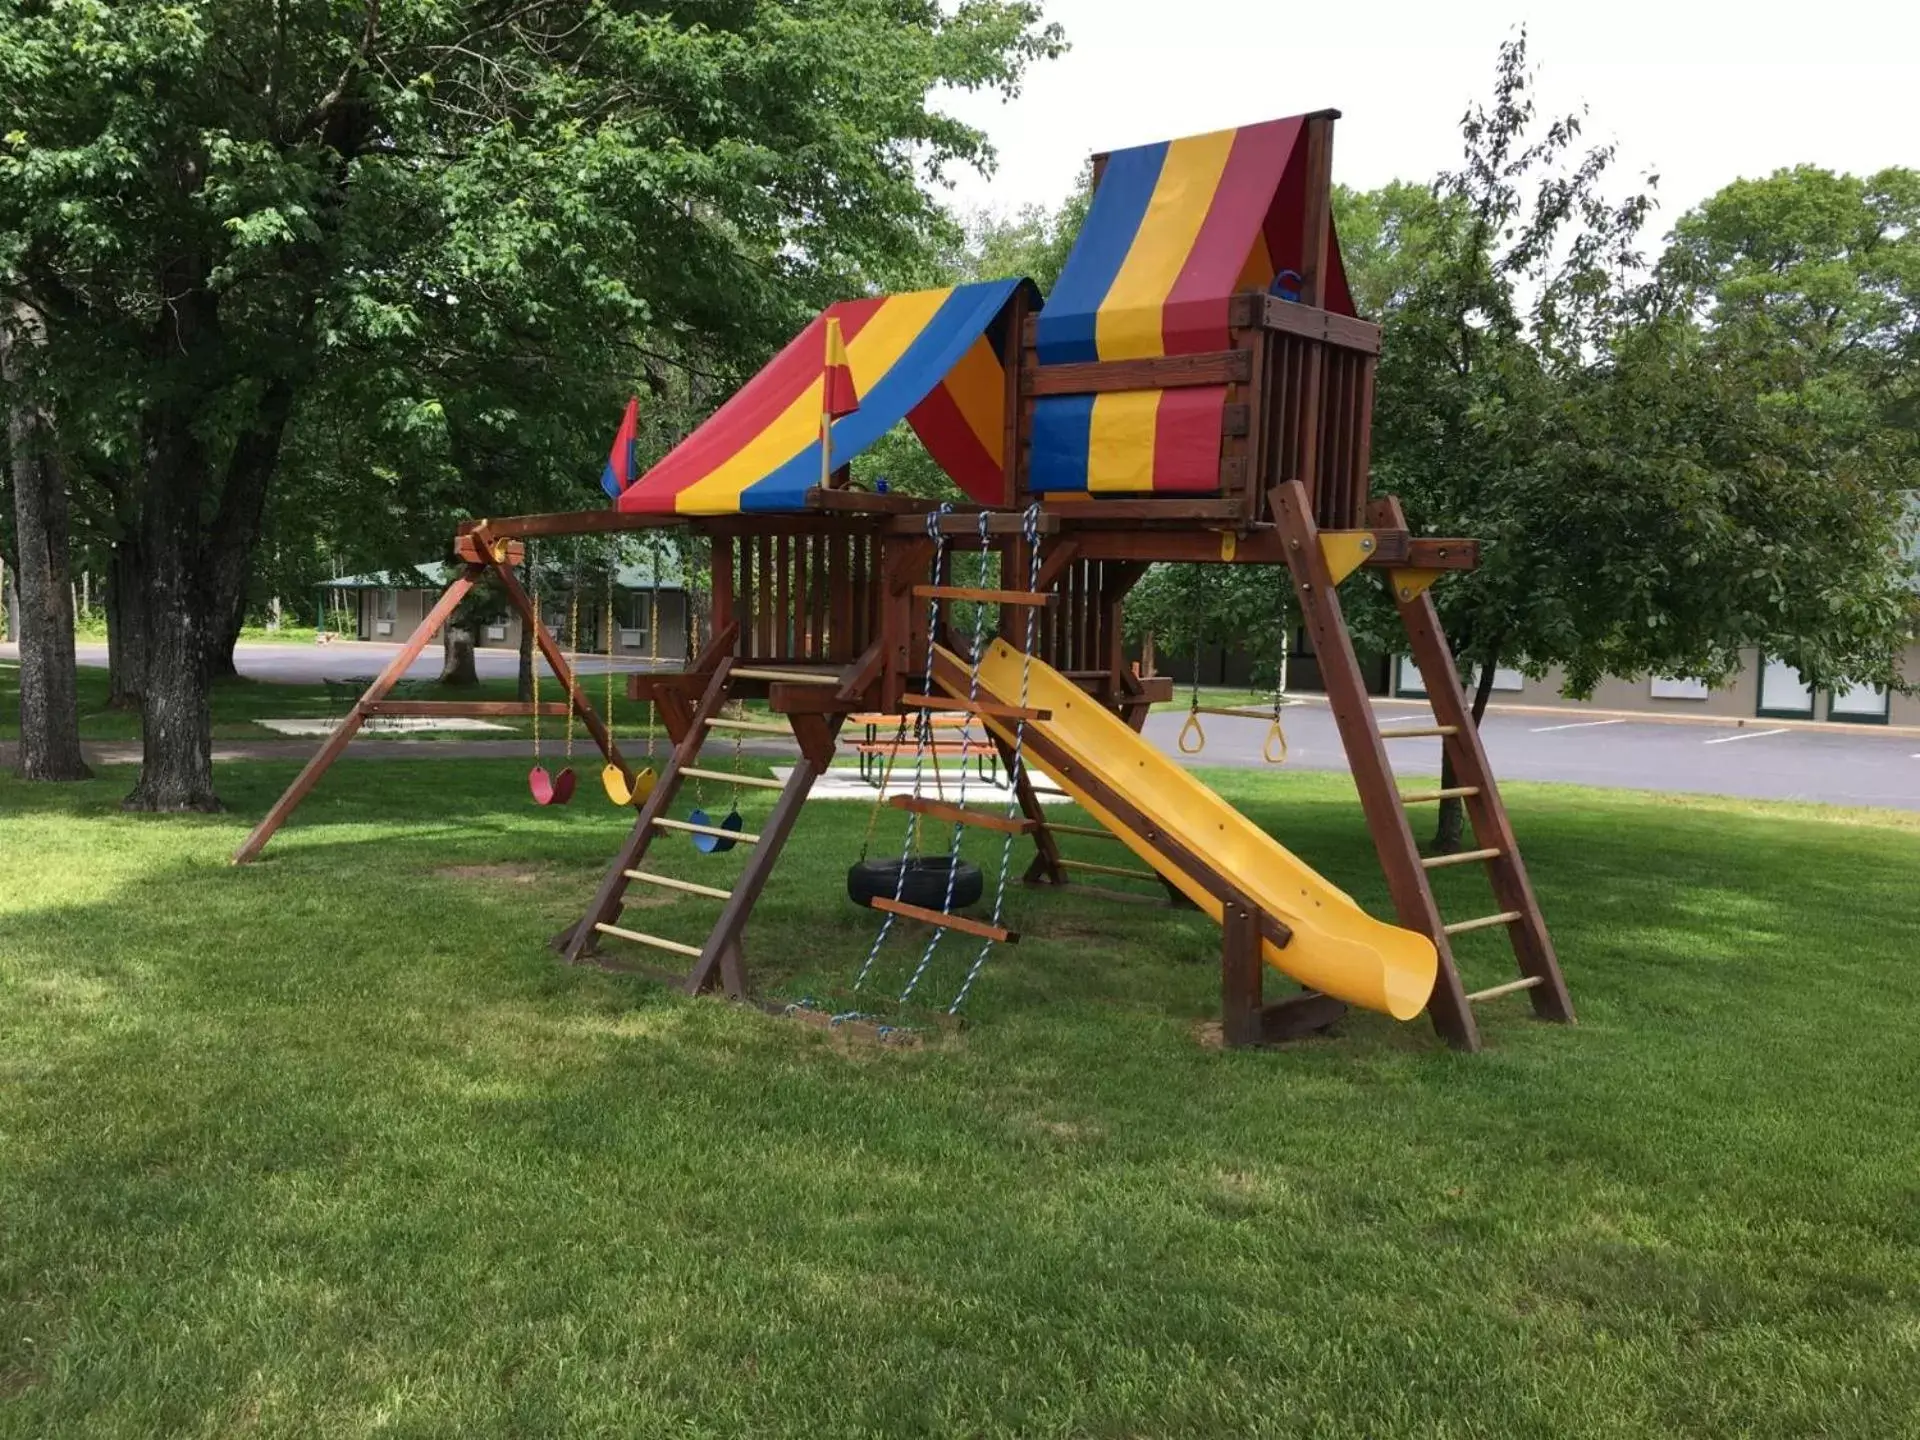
{"points": [[614, 781], [550, 789], [714, 844]]}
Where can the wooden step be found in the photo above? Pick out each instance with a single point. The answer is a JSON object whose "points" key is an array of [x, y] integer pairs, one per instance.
{"points": [[992, 597], [757, 727], [758, 782], [667, 882], [1451, 792], [963, 923], [1412, 731], [787, 677], [1494, 992], [940, 810], [1485, 922], [745, 837], [1092, 832], [1464, 857], [973, 707], [640, 937]]}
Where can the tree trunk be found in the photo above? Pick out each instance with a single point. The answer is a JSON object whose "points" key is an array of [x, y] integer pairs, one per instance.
{"points": [[456, 649], [1450, 829], [524, 689], [49, 699], [176, 765], [126, 637], [223, 635]]}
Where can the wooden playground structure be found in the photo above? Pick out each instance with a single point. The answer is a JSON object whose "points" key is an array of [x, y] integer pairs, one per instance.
{"points": [[1197, 390]]}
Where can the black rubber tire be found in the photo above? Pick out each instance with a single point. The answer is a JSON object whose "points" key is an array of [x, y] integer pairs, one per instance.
{"points": [[925, 883]]}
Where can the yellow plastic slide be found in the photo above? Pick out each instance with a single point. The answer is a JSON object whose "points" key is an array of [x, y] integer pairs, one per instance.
{"points": [[1337, 948]]}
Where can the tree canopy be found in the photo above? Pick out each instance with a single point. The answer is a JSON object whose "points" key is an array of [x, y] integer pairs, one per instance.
{"points": [[411, 255]]}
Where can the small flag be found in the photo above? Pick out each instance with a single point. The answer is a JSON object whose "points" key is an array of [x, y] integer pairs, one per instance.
{"points": [[840, 398], [620, 460]]}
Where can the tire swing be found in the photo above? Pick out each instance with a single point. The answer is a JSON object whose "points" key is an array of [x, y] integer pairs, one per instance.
{"points": [[548, 789]]}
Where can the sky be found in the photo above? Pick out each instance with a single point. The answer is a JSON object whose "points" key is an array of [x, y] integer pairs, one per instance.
{"points": [[1698, 93]]}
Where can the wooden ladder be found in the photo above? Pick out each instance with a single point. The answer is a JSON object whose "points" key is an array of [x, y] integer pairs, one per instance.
{"points": [[719, 960], [1318, 562]]}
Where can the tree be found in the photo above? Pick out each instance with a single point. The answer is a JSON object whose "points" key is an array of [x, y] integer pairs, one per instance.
{"points": [[49, 705], [1647, 501], [213, 206]]}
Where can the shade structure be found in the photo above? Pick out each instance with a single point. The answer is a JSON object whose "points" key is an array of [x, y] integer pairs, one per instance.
{"points": [[1176, 229], [931, 357]]}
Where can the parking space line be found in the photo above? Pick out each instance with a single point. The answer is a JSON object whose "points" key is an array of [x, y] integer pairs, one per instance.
{"points": [[1746, 735], [1576, 725]]}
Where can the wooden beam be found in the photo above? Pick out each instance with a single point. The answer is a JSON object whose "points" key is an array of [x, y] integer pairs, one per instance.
{"points": [[581, 522], [1160, 372], [335, 743]]}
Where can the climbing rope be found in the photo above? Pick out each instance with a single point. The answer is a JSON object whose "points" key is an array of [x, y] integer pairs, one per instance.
{"points": [[966, 741], [938, 536], [1016, 763]]}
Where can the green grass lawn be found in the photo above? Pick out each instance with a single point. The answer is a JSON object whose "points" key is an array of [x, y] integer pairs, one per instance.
{"points": [[331, 1145]]}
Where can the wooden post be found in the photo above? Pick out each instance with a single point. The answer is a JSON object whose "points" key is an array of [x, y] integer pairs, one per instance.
{"points": [[1242, 972], [1507, 872], [329, 752], [723, 944], [1346, 689]]}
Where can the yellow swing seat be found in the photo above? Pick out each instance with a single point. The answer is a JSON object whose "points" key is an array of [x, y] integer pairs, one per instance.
{"points": [[624, 791]]}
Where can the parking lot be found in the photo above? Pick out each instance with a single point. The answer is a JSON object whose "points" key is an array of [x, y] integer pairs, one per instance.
{"points": [[1835, 765]]}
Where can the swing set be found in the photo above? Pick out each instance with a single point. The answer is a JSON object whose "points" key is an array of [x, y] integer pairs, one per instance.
{"points": [[1223, 418]]}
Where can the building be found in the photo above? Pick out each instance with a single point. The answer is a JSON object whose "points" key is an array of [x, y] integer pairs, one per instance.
{"points": [[651, 615]]}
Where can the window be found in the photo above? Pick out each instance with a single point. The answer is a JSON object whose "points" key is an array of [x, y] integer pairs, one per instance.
{"points": [[1678, 687], [1861, 704], [385, 604], [636, 631], [1407, 678], [1783, 692]]}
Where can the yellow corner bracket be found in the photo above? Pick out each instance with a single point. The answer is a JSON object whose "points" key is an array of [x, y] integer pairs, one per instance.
{"points": [[1412, 583], [1345, 551]]}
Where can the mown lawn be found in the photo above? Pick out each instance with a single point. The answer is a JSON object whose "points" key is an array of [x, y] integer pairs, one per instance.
{"points": [[331, 1145]]}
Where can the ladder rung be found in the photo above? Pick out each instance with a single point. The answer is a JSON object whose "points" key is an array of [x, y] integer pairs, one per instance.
{"points": [[1451, 792], [1238, 712], [1127, 872], [758, 727], [642, 938], [993, 597], [1397, 733], [786, 677], [745, 837], [1464, 857], [692, 888], [1485, 922], [944, 920], [1092, 832], [1494, 992], [974, 707], [758, 782], [940, 810]]}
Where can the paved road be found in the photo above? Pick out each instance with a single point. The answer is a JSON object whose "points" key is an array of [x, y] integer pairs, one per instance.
{"points": [[1840, 765]]}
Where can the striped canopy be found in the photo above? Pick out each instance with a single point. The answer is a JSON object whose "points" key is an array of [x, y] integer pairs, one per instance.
{"points": [[1175, 230], [926, 357]]}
